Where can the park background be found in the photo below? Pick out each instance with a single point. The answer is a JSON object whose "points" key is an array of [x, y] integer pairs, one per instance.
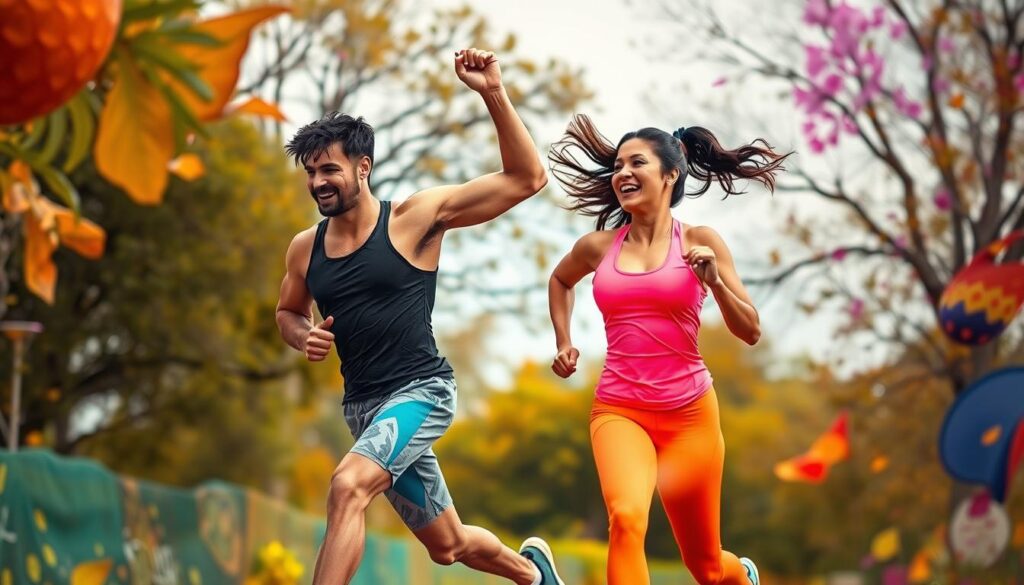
{"points": [[167, 435]]}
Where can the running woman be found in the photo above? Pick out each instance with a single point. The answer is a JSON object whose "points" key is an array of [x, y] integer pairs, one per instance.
{"points": [[371, 268], [654, 422]]}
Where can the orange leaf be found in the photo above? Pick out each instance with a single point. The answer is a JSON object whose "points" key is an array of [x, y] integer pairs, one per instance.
{"points": [[920, 570], [18, 186], [188, 167], [40, 271], [834, 445], [259, 107], [879, 464], [992, 435], [218, 66], [79, 234], [91, 573], [47, 226], [136, 137], [956, 101], [801, 468]]}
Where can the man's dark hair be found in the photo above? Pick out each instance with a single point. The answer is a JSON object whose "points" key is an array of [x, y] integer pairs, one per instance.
{"points": [[353, 135]]}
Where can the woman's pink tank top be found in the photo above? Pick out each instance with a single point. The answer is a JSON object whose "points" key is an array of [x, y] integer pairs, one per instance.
{"points": [[651, 320]]}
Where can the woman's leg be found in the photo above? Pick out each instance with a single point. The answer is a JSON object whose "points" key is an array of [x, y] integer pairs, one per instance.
{"points": [[691, 454], [627, 467]]}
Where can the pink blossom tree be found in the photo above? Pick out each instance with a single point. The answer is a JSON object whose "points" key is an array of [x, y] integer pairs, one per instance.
{"points": [[909, 116]]}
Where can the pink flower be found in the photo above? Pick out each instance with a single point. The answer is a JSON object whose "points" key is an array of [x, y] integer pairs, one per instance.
{"points": [[833, 84], [1018, 82], [809, 127], [940, 85], [838, 254], [878, 16], [946, 45], [943, 200], [905, 105], [816, 62], [816, 12], [817, 146], [809, 100], [897, 30], [856, 309], [849, 125], [719, 82]]}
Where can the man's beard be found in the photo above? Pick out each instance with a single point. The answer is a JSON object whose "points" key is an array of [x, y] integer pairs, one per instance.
{"points": [[342, 202]]}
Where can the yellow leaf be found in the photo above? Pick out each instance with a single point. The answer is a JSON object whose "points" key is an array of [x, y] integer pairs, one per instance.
{"points": [[135, 139], [187, 166], [219, 65], [91, 573], [258, 107], [886, 544]]}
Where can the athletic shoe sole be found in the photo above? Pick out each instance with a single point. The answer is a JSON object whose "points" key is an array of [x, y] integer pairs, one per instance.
{"points": [[543, 547]]}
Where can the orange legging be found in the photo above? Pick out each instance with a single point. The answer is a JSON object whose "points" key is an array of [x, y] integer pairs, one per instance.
{"points": [[681, 452]]}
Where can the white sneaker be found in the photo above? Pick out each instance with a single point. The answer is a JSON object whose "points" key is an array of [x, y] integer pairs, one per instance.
{"points": [[540, 555], [751, 571]]}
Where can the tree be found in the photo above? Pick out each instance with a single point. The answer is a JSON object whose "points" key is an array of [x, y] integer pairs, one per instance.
{"points": [[924, 101], [162, 358]]}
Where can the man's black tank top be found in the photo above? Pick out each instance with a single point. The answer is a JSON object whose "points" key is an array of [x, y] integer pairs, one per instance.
{"points": [[381, 305]]}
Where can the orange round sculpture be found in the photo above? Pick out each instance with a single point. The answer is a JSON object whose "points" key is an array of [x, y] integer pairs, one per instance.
{"points": [[49, 49]]}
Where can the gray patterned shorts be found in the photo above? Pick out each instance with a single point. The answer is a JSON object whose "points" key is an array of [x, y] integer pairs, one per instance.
{"points": [[397, 431]]}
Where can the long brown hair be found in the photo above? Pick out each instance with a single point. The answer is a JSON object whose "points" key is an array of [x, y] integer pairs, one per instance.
{"points": [[694, 151]]}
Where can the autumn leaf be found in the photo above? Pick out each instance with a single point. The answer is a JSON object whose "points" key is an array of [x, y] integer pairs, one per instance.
{"points": [[219, 66], [886, 544], [135, 140], [258, 107], [188, 167], [40, 271]]}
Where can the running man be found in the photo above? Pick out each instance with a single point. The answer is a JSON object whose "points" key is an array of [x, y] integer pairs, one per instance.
{"points": [[371, 269]]}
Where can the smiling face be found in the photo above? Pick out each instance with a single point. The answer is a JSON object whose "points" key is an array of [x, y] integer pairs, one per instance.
{"points": [[638, 178], [334, 181]]}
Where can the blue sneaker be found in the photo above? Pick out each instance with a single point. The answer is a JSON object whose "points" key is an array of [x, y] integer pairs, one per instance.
{"points": [[540, 555], [751, 571]]}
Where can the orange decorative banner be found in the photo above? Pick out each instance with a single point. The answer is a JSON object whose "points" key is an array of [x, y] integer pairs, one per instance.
{"points": [[813, 466]]}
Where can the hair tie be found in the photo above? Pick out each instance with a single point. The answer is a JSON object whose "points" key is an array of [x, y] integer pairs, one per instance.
{"points": [[678, 135]]}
